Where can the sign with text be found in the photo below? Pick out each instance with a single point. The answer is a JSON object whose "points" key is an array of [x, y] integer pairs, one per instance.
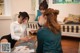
{"points": [[5, 47]]}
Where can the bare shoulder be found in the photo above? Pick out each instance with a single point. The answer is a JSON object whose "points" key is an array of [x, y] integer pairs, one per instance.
{"points": [[41, 16]]}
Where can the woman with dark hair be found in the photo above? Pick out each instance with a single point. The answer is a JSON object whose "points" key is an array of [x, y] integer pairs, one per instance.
{"points": [[42, 7], [17, 30], [41, 19], [49, 36]]}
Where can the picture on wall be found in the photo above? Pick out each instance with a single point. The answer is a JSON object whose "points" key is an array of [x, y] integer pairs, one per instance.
{"points": [[58, 1], [65, 1]]}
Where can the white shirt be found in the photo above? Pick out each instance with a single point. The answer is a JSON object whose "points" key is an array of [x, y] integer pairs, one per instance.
{"points": [[18, 30]]}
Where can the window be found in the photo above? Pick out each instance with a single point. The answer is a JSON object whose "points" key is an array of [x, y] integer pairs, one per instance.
{"points": [[1, 7], [5, 7]]}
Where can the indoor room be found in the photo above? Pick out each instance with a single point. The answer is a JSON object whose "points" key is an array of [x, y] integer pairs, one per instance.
{"points": [[68, 18]]}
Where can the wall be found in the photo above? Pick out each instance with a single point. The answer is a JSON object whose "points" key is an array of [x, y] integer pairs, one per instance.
{"points": [[21, 5], [5, 25], [65, 9]]}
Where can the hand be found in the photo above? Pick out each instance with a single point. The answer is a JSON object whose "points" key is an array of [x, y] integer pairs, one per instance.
{"points": [[24, 38], [33, 31], [32, 38]]}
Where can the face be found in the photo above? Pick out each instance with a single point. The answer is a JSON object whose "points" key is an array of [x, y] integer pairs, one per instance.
{"points": [[20, 20], [25, 21], [42, 11]]}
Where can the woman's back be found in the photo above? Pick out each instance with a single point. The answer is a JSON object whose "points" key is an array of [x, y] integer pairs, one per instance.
{"points": [[48, 41]]}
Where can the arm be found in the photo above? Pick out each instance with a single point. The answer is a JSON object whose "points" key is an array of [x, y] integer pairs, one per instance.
{"points": [[13, 36]]}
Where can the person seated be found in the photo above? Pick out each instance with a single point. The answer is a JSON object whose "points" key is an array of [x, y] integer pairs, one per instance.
{"points": [[17, 30], [49, 36]]}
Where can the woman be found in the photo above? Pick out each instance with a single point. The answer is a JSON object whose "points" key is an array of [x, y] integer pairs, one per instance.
{"points": [[17, 30], [49, 36], [42, 7], [41, 19]]}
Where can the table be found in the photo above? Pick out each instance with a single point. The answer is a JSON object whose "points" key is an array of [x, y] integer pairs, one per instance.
{"points": [[27, 47]]}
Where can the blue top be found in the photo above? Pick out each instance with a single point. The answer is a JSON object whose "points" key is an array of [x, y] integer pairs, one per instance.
{"points": [[48, 42], [38, 14]]}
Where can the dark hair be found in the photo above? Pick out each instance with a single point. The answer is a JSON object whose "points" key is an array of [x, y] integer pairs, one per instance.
{"points": [[52, 22], [24, 15], [43, 5]]}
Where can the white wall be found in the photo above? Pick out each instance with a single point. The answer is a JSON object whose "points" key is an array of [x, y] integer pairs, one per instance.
{"points": [[21, 5], [5, 25], [65, 9]]}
